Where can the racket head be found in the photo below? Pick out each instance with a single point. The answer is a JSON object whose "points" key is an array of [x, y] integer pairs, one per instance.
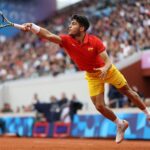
{"points": [[4, 22]]}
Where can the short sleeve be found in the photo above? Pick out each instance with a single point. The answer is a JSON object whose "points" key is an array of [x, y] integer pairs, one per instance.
{"points": [[64, 39], [99, 46]]}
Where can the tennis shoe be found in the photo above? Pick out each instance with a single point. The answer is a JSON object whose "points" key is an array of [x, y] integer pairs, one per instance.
{"points": [[120, 131]]}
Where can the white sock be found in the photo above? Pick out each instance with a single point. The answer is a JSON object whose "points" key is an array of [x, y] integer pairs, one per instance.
{"points": [[146, 111], [118, 122]]}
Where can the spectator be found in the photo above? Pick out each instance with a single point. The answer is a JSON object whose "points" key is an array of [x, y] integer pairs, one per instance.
{"points": [[64, 108], [6, 108], [54, 110], [63, 100], [65, 113], [75, 105], [42, 109], [36, 98]]}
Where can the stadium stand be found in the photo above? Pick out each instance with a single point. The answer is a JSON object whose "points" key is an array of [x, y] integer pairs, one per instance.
{"points": [[27, 56]]}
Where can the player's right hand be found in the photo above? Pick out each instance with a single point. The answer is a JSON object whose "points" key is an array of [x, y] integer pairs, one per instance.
{"points": [[27, 27]]}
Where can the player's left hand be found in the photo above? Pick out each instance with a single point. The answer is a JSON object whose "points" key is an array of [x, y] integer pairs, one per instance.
{"points": [[103, 72]]}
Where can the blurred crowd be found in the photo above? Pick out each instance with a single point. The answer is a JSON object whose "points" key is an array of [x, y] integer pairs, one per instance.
{"points": [[123, 25]]}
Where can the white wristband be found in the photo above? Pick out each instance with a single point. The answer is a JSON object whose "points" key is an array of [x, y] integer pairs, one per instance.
{"points": [[18, 26], [35, 29]]}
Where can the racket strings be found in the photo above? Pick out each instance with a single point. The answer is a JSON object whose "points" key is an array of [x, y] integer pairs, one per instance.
{"points": [[4, 22]]}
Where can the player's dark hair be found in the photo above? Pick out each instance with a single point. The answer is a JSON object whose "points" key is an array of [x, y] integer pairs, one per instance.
{"points": [[82, 20]]}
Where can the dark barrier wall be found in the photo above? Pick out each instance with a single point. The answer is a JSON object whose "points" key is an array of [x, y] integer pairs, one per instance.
{"points": [[145, 63], [135, 77]]}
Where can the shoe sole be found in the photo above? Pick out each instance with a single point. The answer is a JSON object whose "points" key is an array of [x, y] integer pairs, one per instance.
{"points": [[126, 126]]}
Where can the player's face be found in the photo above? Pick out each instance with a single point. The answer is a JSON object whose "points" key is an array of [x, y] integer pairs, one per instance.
{"points": [[74, 28]]}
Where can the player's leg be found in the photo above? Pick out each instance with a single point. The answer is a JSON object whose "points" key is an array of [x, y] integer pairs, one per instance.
{"points": [[99, 103], [135, 98], [122, 125], [117, 79], [96, 89]]}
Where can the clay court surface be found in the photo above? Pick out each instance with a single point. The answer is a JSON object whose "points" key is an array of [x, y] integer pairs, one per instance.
{"points": [[69, 144]]}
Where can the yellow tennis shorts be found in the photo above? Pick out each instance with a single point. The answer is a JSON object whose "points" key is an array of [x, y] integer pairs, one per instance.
{"points": [[96, 85]]}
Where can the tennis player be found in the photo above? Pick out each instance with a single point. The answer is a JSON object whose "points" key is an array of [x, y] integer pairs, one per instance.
{"points": [[89, 53]]}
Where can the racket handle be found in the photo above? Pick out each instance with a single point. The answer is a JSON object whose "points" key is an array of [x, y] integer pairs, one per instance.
{"points": [[18, 26]]}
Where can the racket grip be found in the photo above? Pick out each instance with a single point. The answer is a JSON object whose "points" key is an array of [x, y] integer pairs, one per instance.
{"points": [[18, 26]]}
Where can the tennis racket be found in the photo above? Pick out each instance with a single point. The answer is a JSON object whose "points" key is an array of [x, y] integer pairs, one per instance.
{"points": [[4, 22]]}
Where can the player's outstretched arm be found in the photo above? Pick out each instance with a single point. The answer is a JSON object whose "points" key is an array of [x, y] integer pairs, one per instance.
{"points": [[42, 32]]}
